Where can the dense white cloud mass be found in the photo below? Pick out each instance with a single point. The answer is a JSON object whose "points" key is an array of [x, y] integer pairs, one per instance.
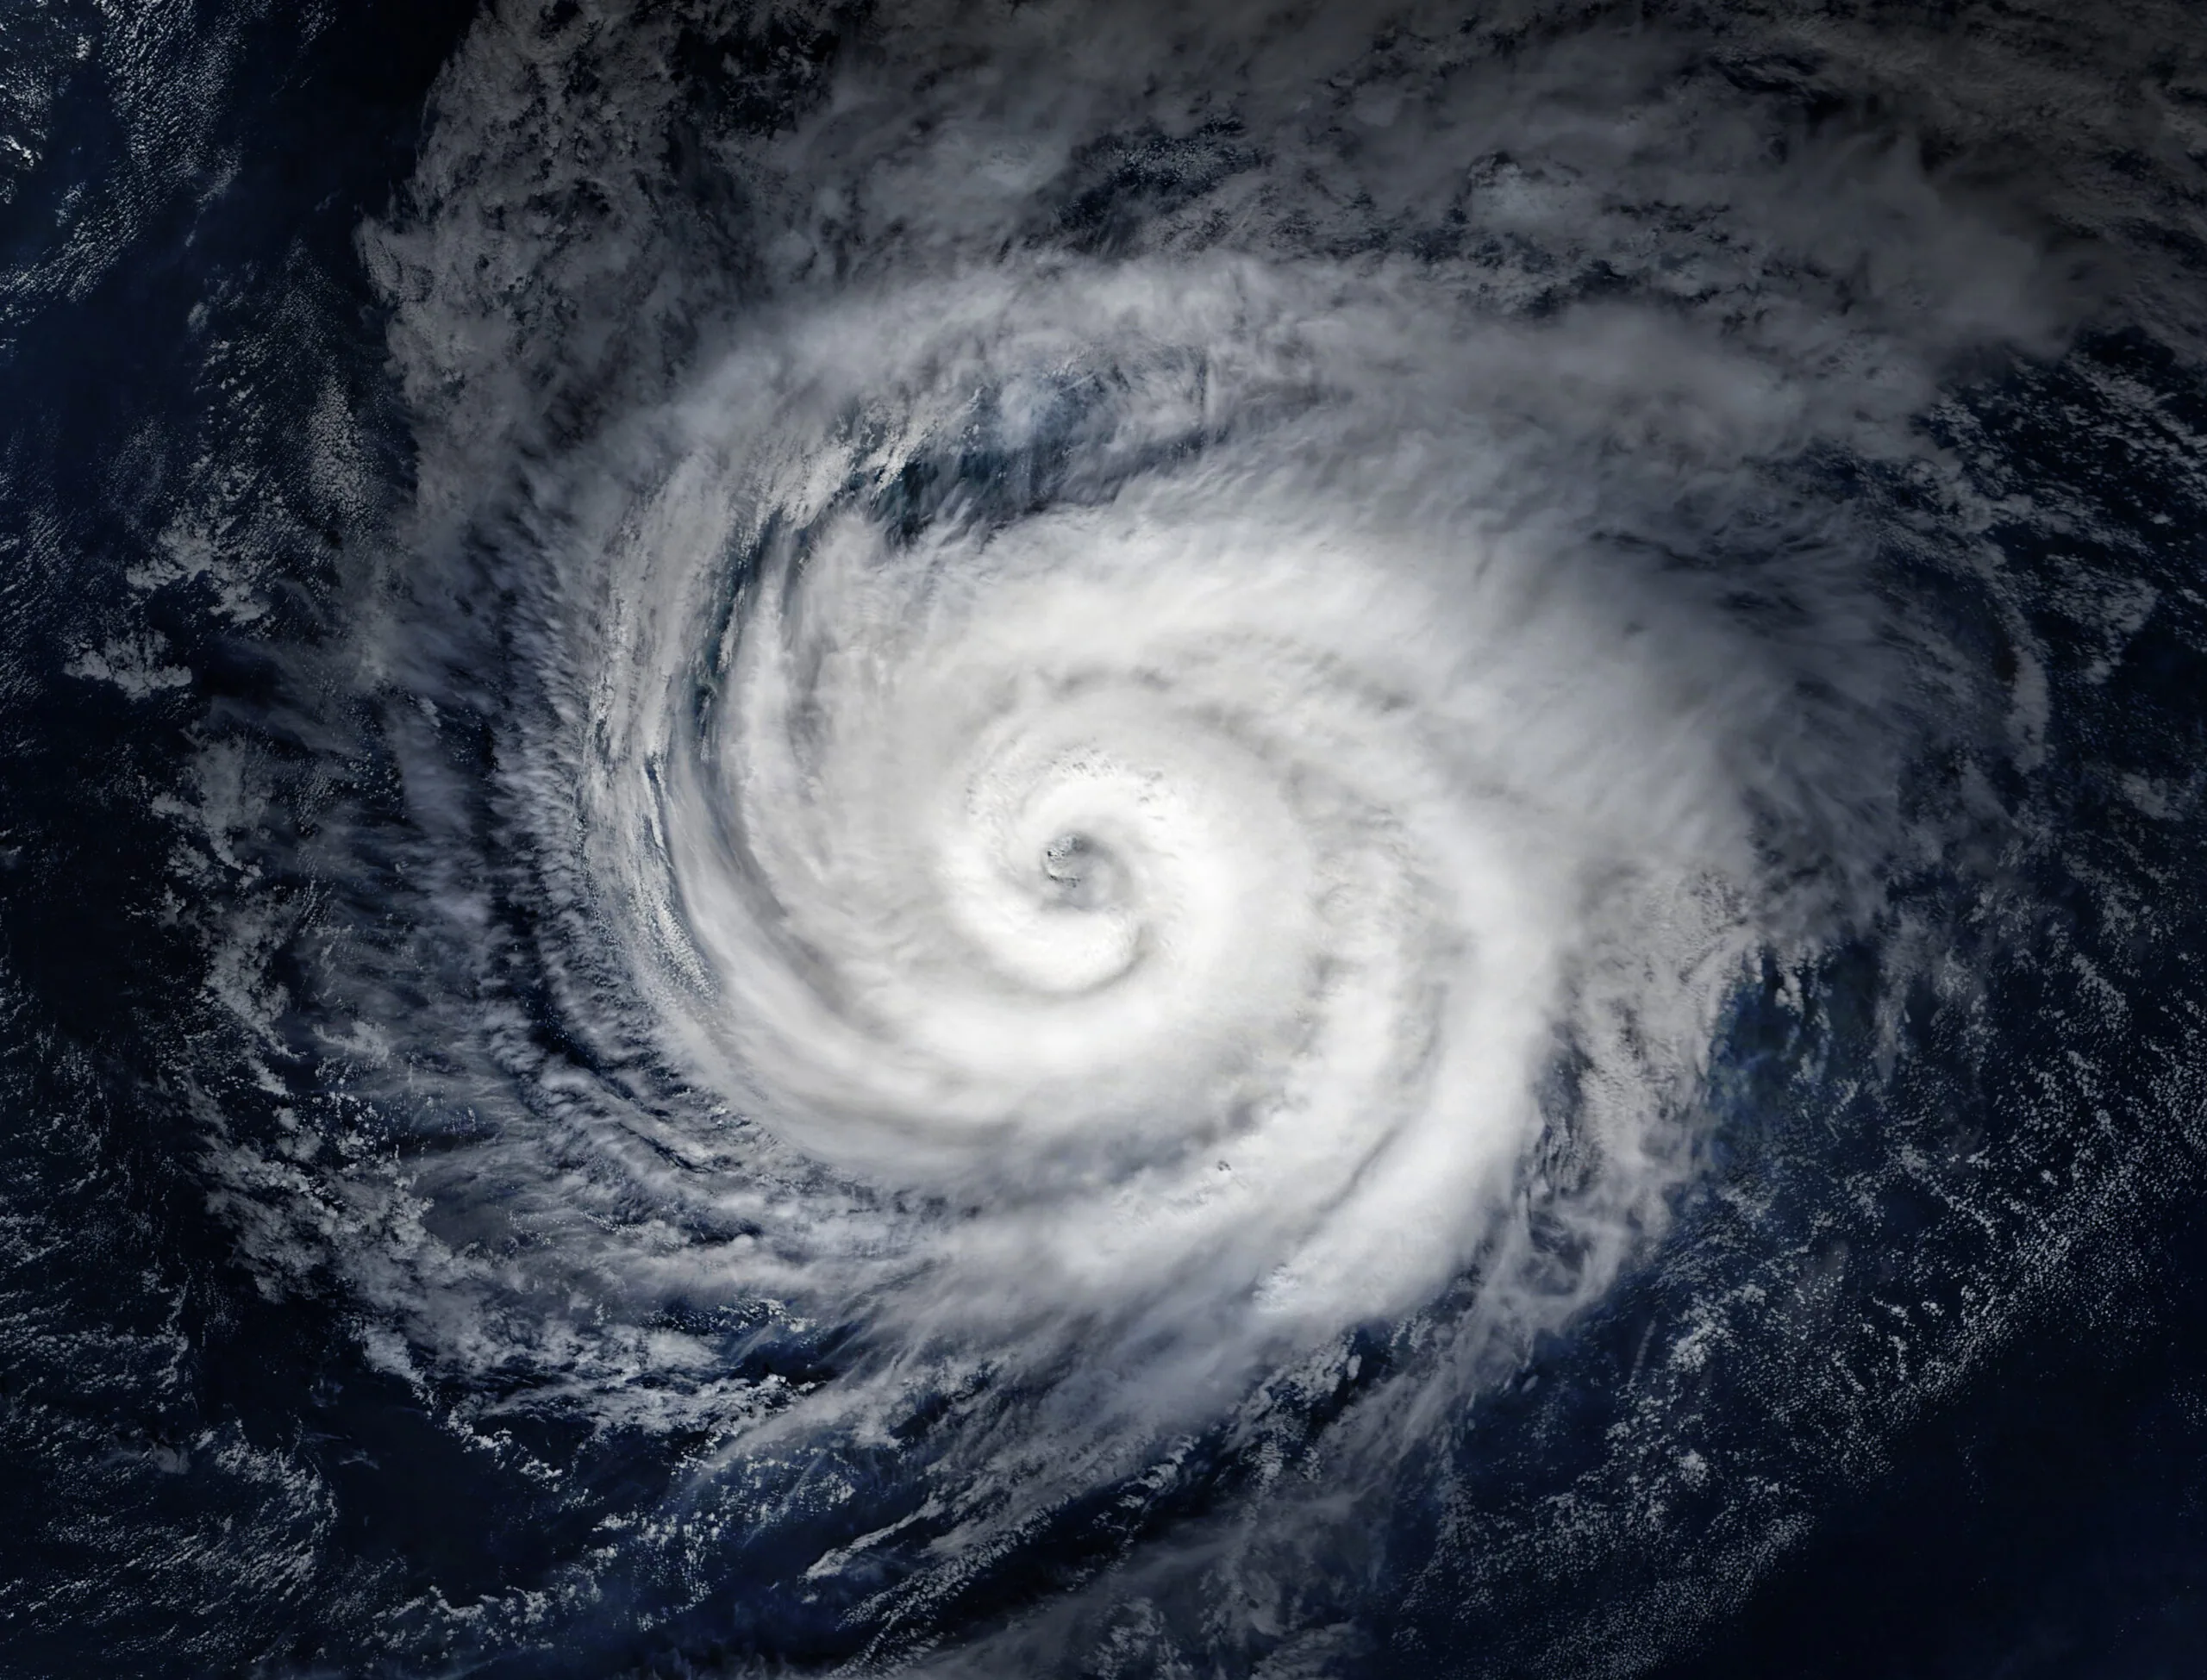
{"points": [[1095, 701], [1159, 754], [1190, 879]]}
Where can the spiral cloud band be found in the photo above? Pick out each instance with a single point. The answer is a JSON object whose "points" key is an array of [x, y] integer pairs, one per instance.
{"points": [[1150, 808], [1087, 749], [1162, 872]]}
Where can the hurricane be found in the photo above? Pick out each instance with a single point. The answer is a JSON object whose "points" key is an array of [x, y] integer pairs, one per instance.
{"points": [[1292, 839]]}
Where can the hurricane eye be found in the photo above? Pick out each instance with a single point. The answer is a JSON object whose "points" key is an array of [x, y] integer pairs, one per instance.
{"points": [[1079, 873]]}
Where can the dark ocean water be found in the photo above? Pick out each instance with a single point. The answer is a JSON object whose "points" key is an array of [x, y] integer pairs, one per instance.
{"points": [[387, 1288]]}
